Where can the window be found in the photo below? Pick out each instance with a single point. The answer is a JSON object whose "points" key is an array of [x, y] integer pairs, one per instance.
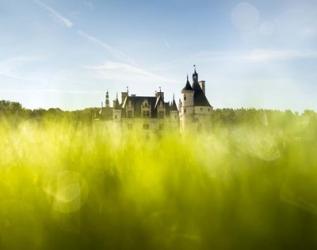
{"points": [[146, 126], [201, 109], [184, 97], [184, 110], [161, 127], [129, 114], [146, 114], [115, 117]]}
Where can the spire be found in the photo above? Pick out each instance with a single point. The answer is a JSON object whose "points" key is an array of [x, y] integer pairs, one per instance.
{"points": [[107, 103], [195, 75], [116, 104], [173, 105], [187, 86]]}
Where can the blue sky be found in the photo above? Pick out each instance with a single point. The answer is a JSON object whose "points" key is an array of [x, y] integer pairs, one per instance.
{"points": [[66, 54]]}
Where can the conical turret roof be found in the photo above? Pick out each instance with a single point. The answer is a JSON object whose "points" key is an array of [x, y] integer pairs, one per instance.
{"points": [[187, 86]]}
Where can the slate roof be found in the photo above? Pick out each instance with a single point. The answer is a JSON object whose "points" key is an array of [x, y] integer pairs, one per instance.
{"points": [[154, 102], [137, 101], [200, 98]]}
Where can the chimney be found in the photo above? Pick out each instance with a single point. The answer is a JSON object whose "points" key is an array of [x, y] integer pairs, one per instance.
{"points": [[123, 96], [162, 95], [159, 93], [202, 86]]}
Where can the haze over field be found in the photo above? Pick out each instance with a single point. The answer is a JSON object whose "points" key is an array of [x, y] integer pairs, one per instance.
{"points": [[249, 183], [66, 54]]}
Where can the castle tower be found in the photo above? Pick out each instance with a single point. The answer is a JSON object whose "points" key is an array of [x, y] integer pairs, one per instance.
{"points": [[195, 110], [187, 107]]}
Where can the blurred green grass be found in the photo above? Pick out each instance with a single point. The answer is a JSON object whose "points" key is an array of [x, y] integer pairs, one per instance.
{"points": [[91, 186]]}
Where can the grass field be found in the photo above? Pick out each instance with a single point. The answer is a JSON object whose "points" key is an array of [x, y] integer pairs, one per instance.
{"points": [[67, 186]]}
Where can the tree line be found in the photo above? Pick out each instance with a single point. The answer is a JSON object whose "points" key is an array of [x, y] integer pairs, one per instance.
{"points": [[14, 111]]}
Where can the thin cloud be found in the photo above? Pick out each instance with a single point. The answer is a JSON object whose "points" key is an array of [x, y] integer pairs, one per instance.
{"points": [[256, 55], [278, 55], [117, 54], [9, 67], [126, 72], [65, 21], [58, 91], [124, 69], [238, 56]]}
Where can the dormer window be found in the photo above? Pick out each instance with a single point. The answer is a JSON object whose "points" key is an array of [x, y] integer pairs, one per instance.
{"points": [[145, 104]]}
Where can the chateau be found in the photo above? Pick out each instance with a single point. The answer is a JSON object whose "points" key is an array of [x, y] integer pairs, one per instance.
{"points": [[153, 112]]}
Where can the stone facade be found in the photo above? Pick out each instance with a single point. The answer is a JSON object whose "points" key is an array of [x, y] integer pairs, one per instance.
{"points": [[153, 112], [147, 112], [195, 109]]}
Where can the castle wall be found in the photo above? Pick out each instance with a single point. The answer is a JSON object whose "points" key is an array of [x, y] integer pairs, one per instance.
{"points": [[117, 115], [202, 110], [152, 124]]}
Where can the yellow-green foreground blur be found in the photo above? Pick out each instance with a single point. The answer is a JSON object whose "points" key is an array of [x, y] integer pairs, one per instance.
{"points": [[67, 186]]}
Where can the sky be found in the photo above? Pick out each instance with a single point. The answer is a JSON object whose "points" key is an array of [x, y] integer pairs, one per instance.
{"points": [[67, 54]]}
